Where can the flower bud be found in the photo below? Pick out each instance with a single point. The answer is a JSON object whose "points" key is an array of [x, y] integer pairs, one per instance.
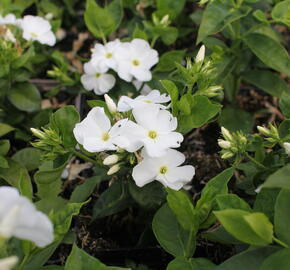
{"points": [[8, 263], [286, 146], [38, 133], [114, 169], [227, 155], [226, 134], [263, 130], [243, 139], [224, 144], [49, 16], [200, 55], [111, 104], [165, 20], [111, 160]]}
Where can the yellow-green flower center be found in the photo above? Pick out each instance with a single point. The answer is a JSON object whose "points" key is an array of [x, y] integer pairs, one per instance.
{"points": [[148, 101], [136, 62], [34, 34], [109, 55], [152, 134], [163, 169], [98, 75], [105, 136]]}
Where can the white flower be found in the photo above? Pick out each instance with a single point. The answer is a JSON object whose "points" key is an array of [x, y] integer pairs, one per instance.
{"points": [[154, 97], [146, 89], [287, 147], [8, 263], [96, 134], [110, 104], [200, 55], [95, 79], [9, 19], [154, 131], [105, 55], [19, 218], [164, 169], [37, 28], [135, 59]]}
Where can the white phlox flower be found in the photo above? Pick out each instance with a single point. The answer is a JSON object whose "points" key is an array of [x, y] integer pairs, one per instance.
{"points": [[20, 218], [95, 79], [165, 169], [8, 263], [154, 97], [144, 90], [154, 130], [105, 55], [37, 28], [96, 134], [9, 19], [286, 146], [135, 59]]}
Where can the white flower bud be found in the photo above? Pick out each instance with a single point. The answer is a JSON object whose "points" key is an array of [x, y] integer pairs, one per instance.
{"points": [[165, 20], [227, 155], [9, 36], [224, 144], [263, 130], [111, 104], [38, 133], [49, 16], [114, 169], [110, 160], [200, 55], [286, 146], [8, 263], [226, 134]]}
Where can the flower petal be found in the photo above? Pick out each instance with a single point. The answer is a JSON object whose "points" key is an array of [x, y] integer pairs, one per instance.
{"points": [[143, 173]]}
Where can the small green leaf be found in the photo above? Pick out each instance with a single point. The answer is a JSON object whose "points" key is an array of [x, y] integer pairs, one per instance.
{"points": [[279, 179], [251, 228], [281, 12], [284, 103], [5, 128], [279, 260], [28, 157], [168, 60], [25, 97], [3, 162], [232, 201], [138, 33], [191, 264], [172, 90], [4, 147], [171, 7]]}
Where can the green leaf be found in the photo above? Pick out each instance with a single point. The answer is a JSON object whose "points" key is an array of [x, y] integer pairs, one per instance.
{"points": [[251, 228], [282, 216], [171, 7], [202, 110], [3, 163], [281, 12], [232, 201], [138, 33], [103, 21], [260, 16], [25, 97], [16, 175], [279, 260], [217, 16], [172, 90], [284, 104], [269, 51], [235, 119], [267, 81], [250, 259], [183, 208], [99, 103], [167, 60], [23, 59], [170, 234], [115, 199], [28, 157], [216, 186], [279, 179], [190, 264], [5, 129], [80, 260], [4, 147], [64, 120]]}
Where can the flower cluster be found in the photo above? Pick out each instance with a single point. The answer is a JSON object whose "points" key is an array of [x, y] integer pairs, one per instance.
{"points": [[144, 127], [19, 218], [33, 28], [128, 59]]}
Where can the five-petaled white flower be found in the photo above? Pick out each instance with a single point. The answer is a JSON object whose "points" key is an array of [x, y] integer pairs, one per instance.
{"points": [[37, 28], [96, 134], [95, 79], [165, 169], [286, 146], [154, 130], [105, 55], [8, 263], [135, 59], [9, 19], [20, 218], [154, 97]]}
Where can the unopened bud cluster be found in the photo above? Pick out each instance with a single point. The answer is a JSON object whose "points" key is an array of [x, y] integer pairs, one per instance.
{"points": [[271, 134]]}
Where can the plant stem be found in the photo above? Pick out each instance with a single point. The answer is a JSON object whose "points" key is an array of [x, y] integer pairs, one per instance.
{"points": [[25, 259], [280, 242], [84, 157], [256, 162], [154, 41]]}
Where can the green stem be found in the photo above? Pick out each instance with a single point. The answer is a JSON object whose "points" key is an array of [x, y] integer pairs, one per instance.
{"points": [[24, 261], [260, 165], [280, 242], [154, 41], [84, 157]]}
